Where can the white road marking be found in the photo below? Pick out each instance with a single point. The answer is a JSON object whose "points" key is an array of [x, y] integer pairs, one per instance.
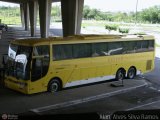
{"points": [[143, 105], [83, 100]]}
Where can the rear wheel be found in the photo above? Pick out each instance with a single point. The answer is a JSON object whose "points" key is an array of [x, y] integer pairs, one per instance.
{"points": [[131, 73], [120, 74], [54, 85]]}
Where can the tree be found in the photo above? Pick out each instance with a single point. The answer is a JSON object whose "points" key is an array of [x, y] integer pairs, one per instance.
{"points": [[151, 14], [86, 11]]}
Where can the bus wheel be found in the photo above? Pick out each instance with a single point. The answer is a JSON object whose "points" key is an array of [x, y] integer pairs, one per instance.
{"points": [[54, 86], [131, 73], [120, 74]]}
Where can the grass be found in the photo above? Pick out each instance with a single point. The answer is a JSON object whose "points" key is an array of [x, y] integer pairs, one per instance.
{"points": [[16, 20], [10, 20]]}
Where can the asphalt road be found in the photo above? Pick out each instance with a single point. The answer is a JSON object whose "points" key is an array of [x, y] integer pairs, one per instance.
{"points": [[121, 102]]}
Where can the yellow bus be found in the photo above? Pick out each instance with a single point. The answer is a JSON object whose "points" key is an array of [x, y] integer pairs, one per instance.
{"points": [[37, 65]]}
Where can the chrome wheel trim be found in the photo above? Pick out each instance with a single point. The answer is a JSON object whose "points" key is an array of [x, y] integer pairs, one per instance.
{"points": [[54, 87]]}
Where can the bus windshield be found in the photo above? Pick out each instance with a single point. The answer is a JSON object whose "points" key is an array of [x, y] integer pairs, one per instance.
{"points": [[19, 58]]}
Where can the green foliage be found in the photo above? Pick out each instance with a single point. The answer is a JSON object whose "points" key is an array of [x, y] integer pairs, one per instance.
{"points": [[111, 27], [140, 33], [58, 20], [151, 15], [11, 15], [157, 45], [56, 11], [123, 30]]}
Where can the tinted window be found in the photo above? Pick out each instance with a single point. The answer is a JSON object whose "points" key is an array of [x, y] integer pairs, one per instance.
{"points": [[41, 50], [138, 46], [145, 45], [115, 48], [81, 50], [23, 67], [12, 51], [142, 46], [99, 49], [129, 47], [151, 45], [40, 65], [71, 51], [61, 52]]}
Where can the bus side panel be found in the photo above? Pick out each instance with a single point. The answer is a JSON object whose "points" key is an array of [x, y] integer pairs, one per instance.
{"points": [[139, 60], [62, 69], [116, 63], [102, 66], [82, 70]]}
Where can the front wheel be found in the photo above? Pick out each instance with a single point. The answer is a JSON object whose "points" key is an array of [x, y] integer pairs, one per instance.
{"points": [[131, 73], [54, 86], [120, 75]]}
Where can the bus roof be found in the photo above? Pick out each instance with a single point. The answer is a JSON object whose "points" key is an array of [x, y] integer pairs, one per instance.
{"points": [[80, 39]]}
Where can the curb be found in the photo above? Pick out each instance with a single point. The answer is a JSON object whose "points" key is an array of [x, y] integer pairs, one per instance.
{"points": [[83, 100]]}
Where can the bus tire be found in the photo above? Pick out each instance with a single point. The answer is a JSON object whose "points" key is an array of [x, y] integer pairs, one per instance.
{"points": [[120, 75], [131, 73], [54, 86]]}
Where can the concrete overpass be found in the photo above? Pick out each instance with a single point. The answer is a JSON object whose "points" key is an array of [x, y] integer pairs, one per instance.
{"points": [[71, 15]]}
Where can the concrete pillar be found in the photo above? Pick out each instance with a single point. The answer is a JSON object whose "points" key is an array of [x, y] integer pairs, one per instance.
{"points": [[44, 15], [71, 16], [33, 17], [22, 15], [26, 15]]}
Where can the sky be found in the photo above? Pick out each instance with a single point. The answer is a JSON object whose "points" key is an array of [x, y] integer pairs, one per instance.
{"points": [[113, 5], [7, 4]]}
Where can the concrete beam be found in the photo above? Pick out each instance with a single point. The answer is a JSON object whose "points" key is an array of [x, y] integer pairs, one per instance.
{"points": [[26, 15], [24, 1], [44, 14], [71, 16], [22, 14], [33, 17], [15, 1]]}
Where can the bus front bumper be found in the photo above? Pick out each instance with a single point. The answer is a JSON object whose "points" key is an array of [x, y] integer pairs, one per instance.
{"points": [[16, 85]]}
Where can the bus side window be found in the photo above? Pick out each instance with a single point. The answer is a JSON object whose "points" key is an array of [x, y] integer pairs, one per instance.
{"points": [[82, 50], [62, 52], [138, 46], [151, 45], [115, 48], [41, 50], [145, 45], [99, 49]]}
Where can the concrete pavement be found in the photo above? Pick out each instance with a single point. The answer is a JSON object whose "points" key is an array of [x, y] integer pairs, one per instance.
{"points": [[14, 102]]}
